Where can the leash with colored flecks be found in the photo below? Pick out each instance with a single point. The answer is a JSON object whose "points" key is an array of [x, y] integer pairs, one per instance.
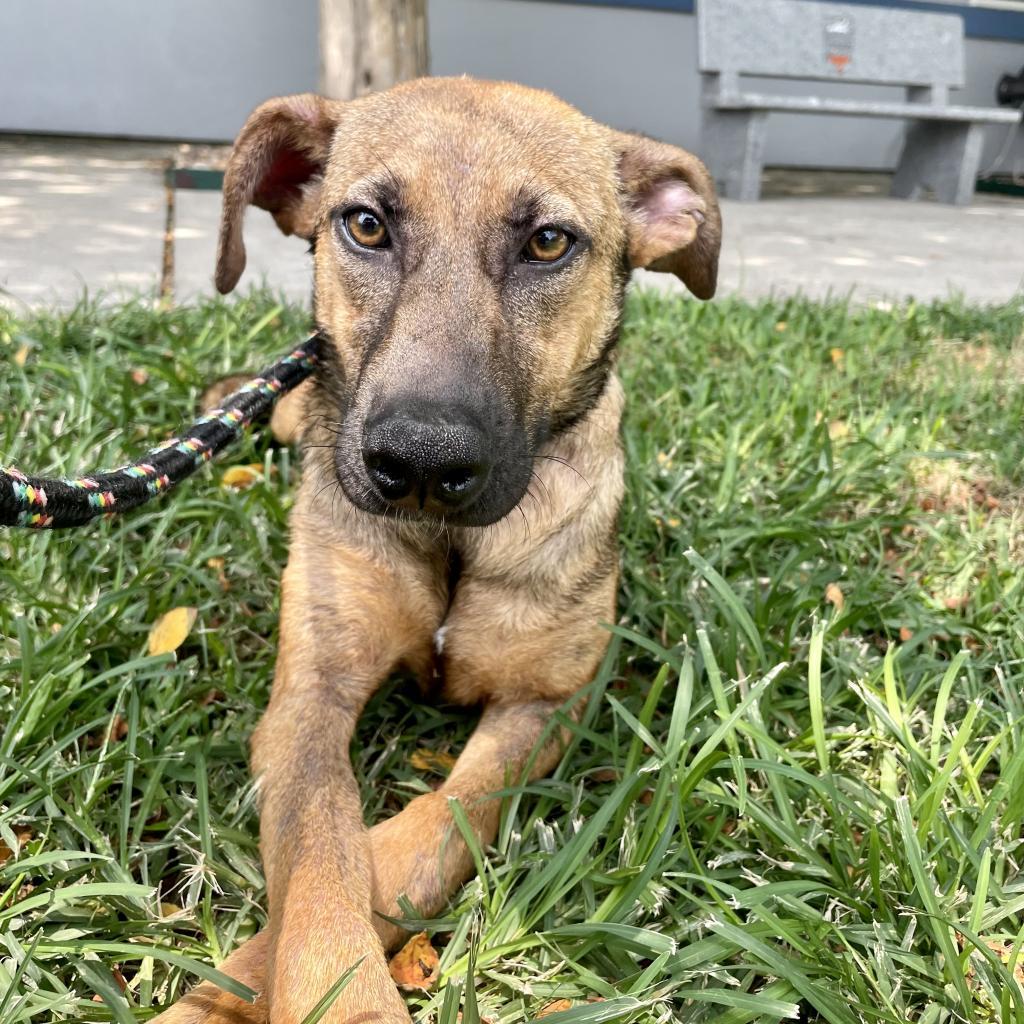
{"points": [[44, 503]]}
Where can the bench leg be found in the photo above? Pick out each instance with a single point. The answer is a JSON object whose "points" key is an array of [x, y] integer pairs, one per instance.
{"points": [[733, 149], [941, 155]]}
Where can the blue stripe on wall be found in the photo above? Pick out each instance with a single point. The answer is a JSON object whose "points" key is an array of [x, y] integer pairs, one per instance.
{"points": [[978, 21]]}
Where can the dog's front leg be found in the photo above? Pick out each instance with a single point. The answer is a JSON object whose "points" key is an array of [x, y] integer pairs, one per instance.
{"points": [[348, 619], [419, 853]]}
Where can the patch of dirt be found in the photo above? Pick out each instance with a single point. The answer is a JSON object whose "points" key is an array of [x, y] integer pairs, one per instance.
{"points": [[982, 357], [952, 486]]}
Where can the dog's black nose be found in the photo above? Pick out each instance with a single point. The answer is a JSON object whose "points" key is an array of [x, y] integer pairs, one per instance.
{"points": [[432, 458]]}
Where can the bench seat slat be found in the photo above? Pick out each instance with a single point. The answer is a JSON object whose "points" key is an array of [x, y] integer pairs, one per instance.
{"points": [[832, 105]]}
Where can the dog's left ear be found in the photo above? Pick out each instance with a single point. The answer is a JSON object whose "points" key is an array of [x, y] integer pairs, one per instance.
{"points": [[672, 213]]}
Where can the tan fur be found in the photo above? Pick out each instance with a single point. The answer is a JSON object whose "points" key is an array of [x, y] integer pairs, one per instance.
{"points": [[364, 594]]}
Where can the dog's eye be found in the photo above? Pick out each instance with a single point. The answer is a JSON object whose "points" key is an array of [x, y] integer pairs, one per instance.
{"points": [[366, 229], [547, 245]]}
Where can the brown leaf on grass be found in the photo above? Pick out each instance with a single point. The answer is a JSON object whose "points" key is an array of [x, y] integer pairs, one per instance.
{"points": [[169, 632], [222, 579], [906, 633], [23, 833], [957, 602], [139, 376], [241, 478], [1003, 950], [835, 597], [426, 760], [415, 965], [836, 355], [556, 1007], [114, 732]]}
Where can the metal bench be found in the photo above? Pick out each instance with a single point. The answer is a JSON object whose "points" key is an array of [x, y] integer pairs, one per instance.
{"points": [[796, 39]]}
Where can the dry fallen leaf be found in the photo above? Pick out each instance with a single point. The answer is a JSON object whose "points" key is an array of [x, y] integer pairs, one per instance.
{"points": [[836, 355], [1003, 951], [118, 728], [222, 578], [415, 965], [139, 376], [906, 633], [838, 429], [958, 602], [834, 596], [241, 478], [426, 760], [556, 1007], [23, 834], [21, 355], [168, 633]]}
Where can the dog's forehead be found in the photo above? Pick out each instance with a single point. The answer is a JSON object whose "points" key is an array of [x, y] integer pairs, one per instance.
{"points": [[480, 143]]}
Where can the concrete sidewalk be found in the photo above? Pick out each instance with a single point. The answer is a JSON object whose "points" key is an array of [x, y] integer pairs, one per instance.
{"points": [[90, 215]]}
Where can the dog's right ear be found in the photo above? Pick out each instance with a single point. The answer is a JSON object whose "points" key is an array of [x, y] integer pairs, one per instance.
{"points": [[277, 164]]}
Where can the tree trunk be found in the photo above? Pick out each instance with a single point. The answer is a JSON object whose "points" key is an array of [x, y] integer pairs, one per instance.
{"points": [[369, 45]]}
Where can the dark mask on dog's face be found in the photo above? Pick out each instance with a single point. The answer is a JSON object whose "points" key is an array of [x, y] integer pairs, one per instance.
{"points": [[472, 244]]}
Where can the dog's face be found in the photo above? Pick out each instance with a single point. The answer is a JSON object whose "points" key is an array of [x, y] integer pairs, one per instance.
{"points": [[472, 243]]}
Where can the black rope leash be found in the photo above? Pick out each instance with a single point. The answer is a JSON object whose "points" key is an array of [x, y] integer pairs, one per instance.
{"points": [[46, 504]]}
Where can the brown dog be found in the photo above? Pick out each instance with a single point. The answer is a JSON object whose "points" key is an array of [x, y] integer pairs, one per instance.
{"points": [[472, 244]]}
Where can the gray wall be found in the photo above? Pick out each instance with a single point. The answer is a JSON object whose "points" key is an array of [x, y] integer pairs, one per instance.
{"points": [[194, 68], [160, 68]]}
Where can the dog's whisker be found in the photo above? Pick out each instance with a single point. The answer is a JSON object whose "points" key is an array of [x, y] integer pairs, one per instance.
{"points": [[565, 462], [534, 475]]}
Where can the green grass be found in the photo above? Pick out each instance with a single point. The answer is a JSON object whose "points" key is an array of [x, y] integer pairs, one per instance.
{"points": [[776, 807]]}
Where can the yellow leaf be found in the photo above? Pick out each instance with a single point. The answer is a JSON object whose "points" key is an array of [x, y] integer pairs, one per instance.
{"points": [[21, 355], [415, 965], [168, 633], [834, 595], [837, 355], [424, 760], [838, 429], [242, 477]]}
